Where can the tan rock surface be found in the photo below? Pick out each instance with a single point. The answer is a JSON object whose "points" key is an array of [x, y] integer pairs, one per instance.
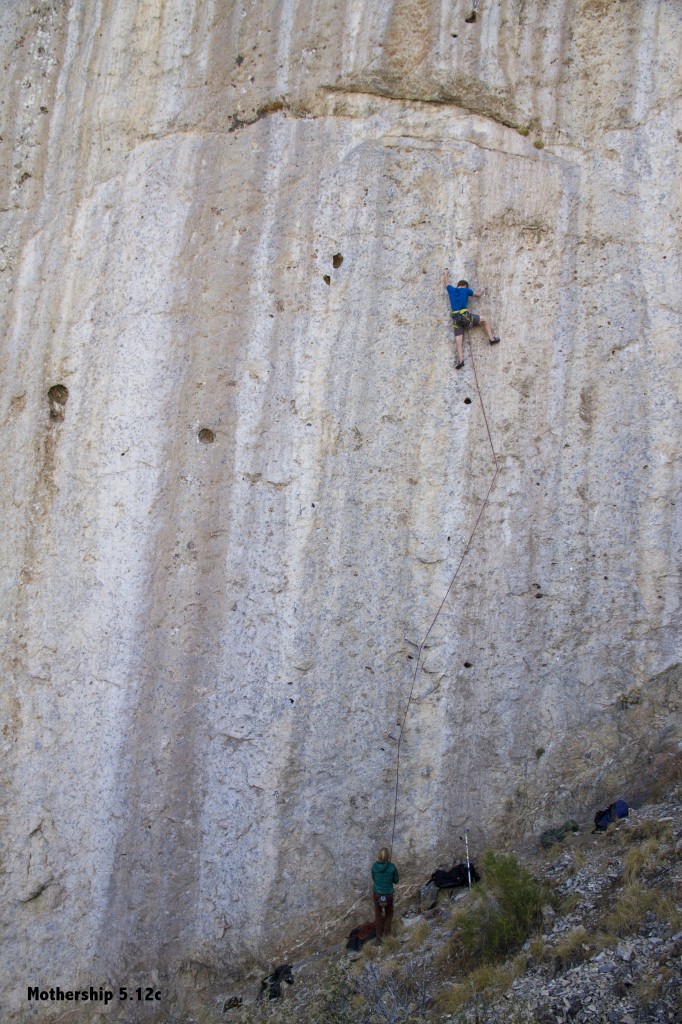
{"points": [[255, 483]]}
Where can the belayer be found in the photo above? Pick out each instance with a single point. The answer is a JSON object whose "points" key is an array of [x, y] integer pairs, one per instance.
{"points": [[384, 874], [463, 318]]}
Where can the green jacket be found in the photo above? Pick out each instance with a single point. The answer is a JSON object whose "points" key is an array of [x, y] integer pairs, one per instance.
{"points": [[384, 874]]}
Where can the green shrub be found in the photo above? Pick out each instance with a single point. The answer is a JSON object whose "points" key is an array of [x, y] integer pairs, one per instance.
{"points": [[508, 908]]}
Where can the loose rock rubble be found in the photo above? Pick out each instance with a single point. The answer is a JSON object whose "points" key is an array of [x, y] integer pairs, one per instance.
{"points": [[636, 979]]}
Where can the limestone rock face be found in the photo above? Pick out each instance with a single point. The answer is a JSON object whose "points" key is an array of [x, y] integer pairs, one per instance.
{"points": [[239, 471]]}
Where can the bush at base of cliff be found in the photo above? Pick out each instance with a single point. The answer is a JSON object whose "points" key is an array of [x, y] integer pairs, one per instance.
{"points": [[508, 908]]}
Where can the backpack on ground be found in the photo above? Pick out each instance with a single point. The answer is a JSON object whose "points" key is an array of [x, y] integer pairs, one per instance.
{"points": [[455, 876], [613, 812], [360, 935]]}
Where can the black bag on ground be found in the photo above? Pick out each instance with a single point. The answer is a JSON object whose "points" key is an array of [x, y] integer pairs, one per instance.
{"points": [[455, 877], [272, 985]]}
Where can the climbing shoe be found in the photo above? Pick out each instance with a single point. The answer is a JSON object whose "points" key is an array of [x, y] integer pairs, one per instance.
{"points": [[494, 341], [458, 366]]}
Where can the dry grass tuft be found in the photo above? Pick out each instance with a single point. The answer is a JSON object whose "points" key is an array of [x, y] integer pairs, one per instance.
{"points": [[574, 948], [633, 905], [419, 933], [646, 855], [488, 980], [649, 990], [569, 904], [370, 950], [578, 859], [650, 828], [389, 945]]}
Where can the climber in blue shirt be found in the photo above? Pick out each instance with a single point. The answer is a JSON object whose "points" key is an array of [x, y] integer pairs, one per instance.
{"points": [[462, 317]]}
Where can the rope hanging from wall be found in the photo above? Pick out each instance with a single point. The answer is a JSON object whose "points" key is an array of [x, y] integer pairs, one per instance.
{"points": [[420, 649]]}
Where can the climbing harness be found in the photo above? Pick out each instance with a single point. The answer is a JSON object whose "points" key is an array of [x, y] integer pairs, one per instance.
{"points": [[447, 594], [463, 317]]}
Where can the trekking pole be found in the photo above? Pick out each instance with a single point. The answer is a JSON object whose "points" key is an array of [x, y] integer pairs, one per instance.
{"points": [[466, 843]]}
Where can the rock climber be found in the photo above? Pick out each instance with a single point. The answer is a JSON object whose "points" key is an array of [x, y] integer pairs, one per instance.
{"points": [[384, 874], [462, 317]]}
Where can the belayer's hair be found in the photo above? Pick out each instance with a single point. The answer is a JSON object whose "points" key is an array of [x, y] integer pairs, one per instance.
{"points": [[383, 854], [462, 284]]}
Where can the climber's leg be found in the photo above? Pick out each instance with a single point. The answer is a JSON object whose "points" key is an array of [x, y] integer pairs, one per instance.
{"points": [[485, 324], [459, 340]]}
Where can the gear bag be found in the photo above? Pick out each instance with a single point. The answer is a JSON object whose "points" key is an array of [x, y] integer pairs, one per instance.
{"points": [[613, 812]]}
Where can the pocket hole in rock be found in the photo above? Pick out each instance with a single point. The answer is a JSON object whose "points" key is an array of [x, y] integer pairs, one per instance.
{"points": [[337, 260], [57, 396], [206, 436]]}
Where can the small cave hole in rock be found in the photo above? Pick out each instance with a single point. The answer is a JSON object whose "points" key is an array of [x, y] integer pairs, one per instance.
{"points": [[337, 260], [471, 19], [468, 664], [57, 396], [206, 436], [539, 595], [467, 401], [327, 279], [291, 700]]}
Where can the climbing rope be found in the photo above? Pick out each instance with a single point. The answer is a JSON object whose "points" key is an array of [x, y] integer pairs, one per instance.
{"points": [[447, 593]]}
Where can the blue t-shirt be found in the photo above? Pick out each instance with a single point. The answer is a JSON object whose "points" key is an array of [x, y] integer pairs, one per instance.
{"points": [[459, 297]]}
